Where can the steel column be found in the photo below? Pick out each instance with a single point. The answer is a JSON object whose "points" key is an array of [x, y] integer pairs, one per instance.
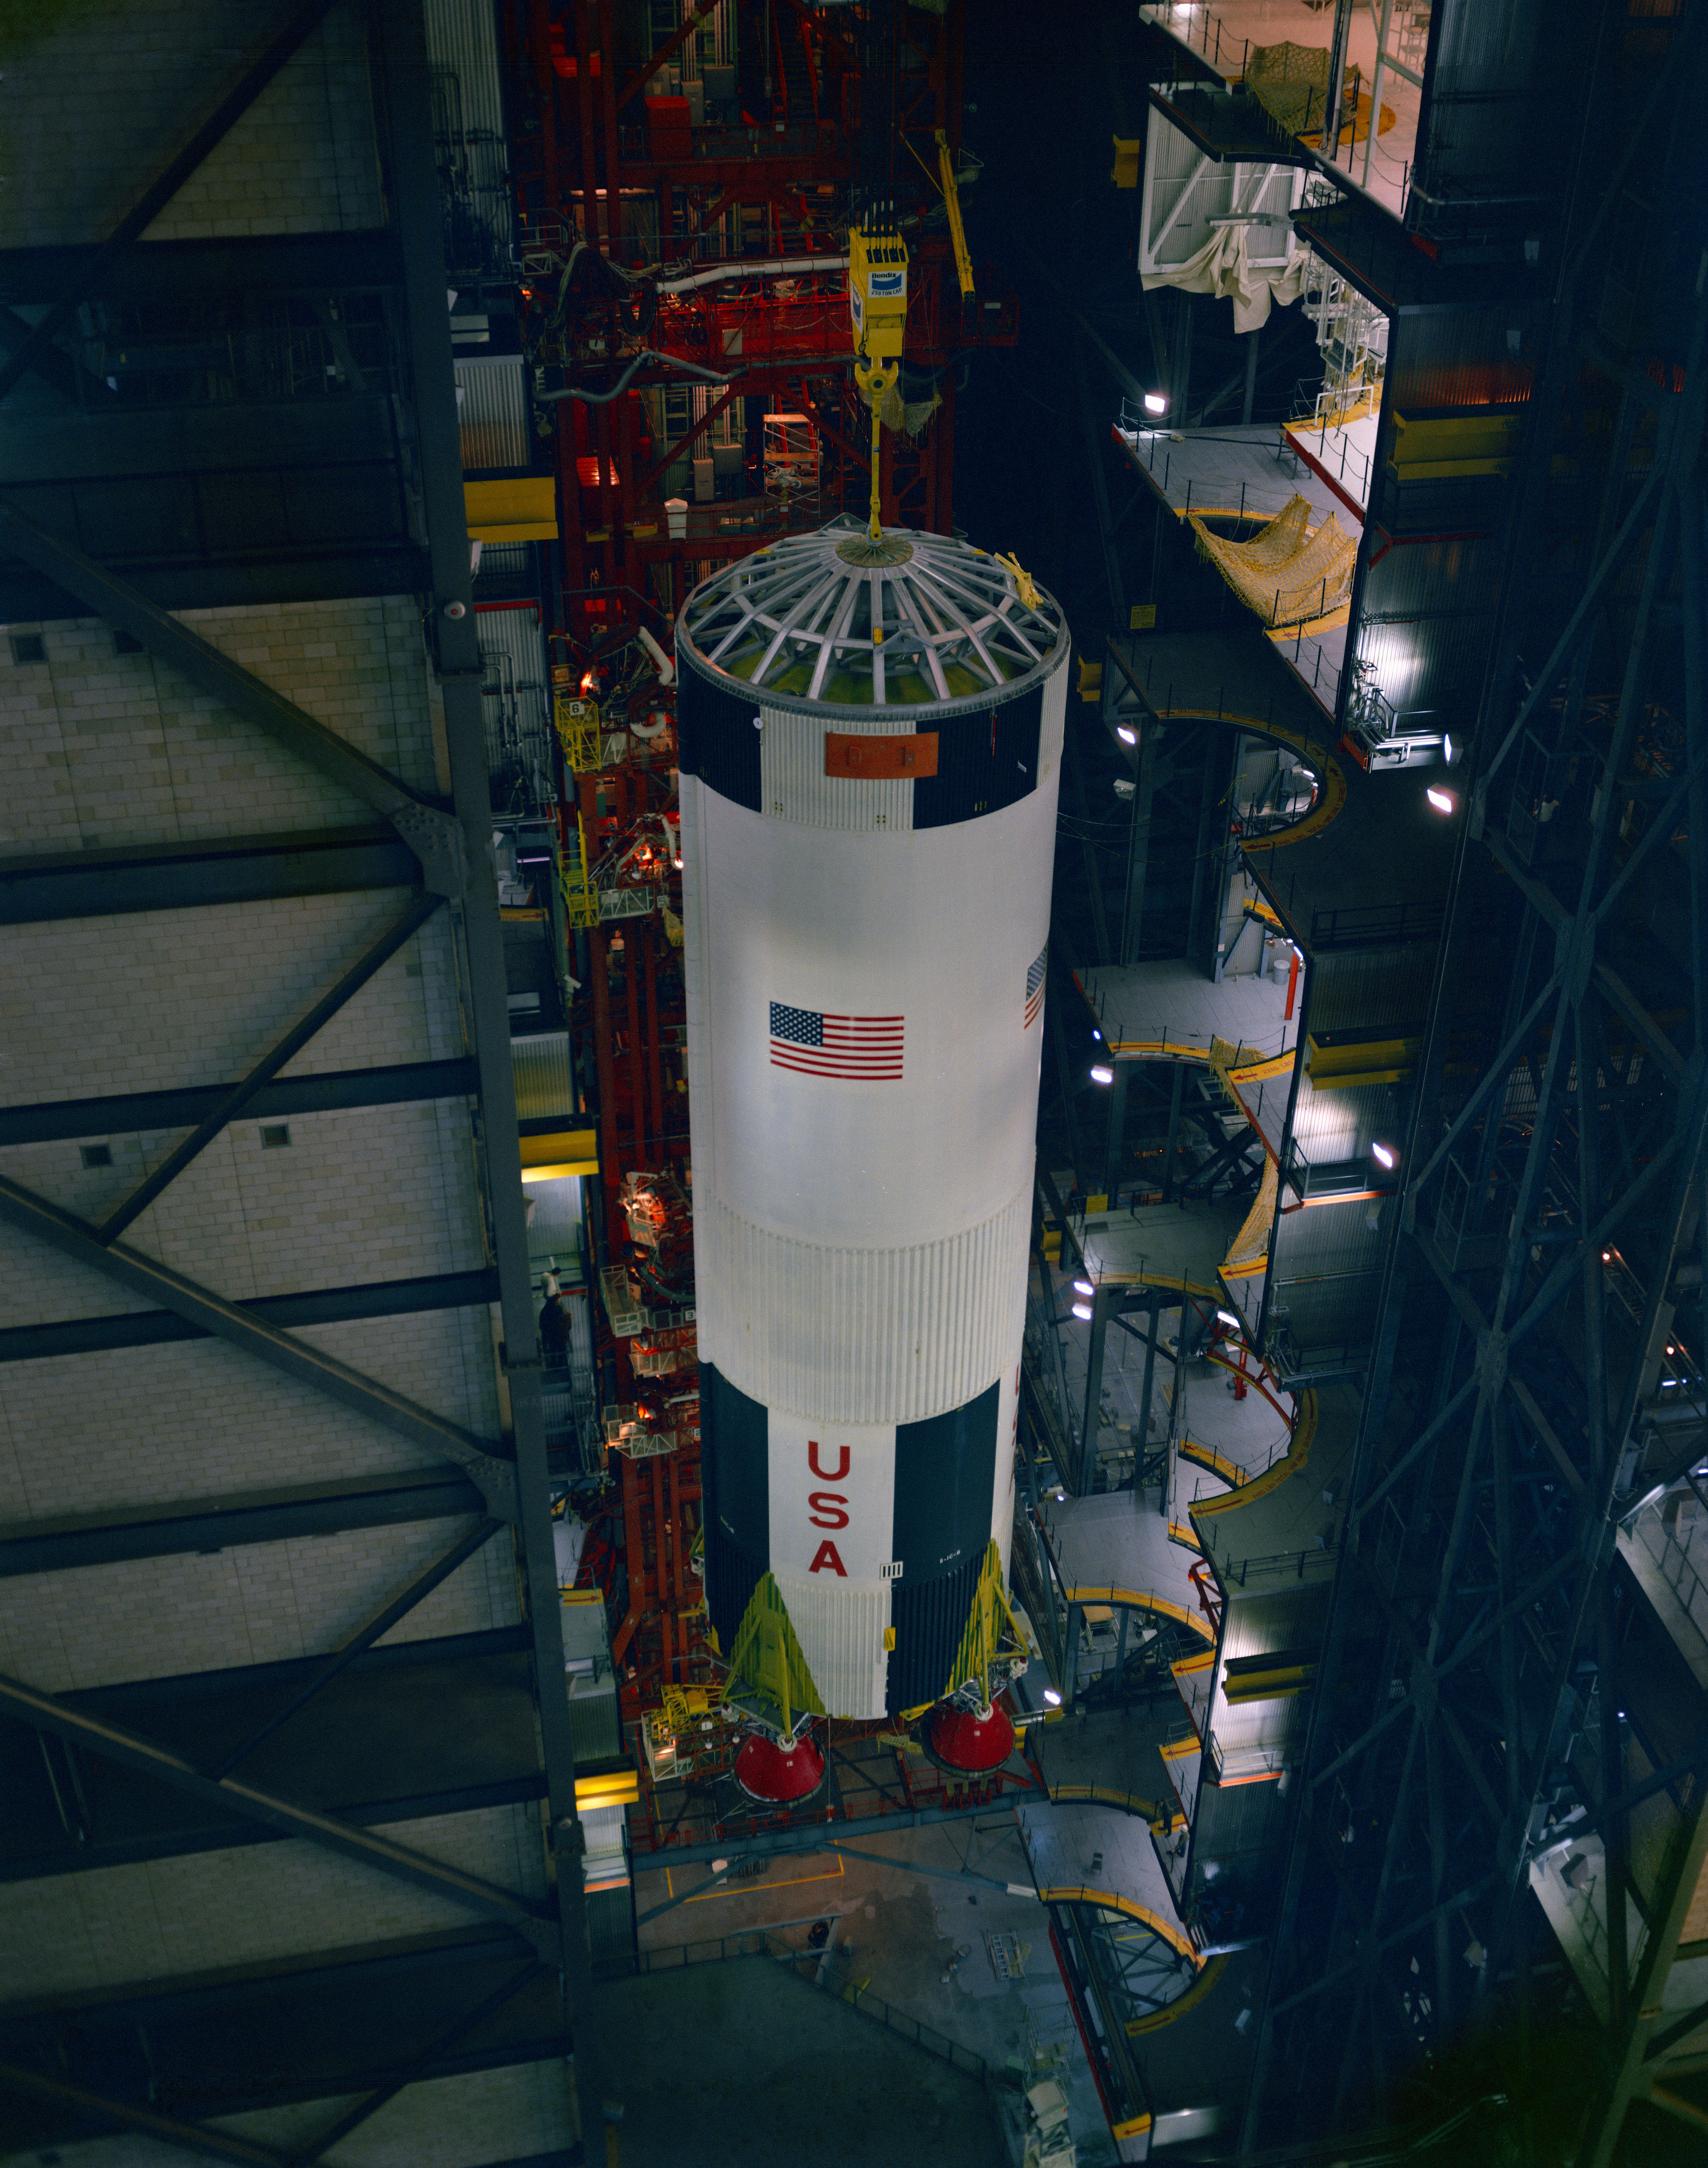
{"points": [[416, 203]]}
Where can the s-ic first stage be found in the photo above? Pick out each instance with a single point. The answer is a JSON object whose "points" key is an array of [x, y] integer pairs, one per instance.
{"points": [[870, 738]]}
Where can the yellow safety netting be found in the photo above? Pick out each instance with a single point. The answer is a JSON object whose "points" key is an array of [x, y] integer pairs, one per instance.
{"points": [[1288, 573], [1291, 83], [1251, 1246]]}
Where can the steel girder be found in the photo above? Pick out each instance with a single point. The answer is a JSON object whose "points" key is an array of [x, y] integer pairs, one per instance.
{"points": [[244, 1328], [194, 876], [86, 1335], [1473, 1621], [414, 1730], [407, 923], [38, 349], [430, 2057], [114, 1742], [430, 832], [53, 1121], [247, 1517], [448, 841]]}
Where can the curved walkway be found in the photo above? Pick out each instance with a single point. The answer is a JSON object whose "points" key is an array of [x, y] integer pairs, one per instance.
{"points": [[1102, 1855], [1112, 1549]]}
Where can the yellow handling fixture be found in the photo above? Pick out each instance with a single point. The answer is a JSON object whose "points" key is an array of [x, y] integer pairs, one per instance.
{"points": [[877, 300], [1025, 585], [951, 204]]}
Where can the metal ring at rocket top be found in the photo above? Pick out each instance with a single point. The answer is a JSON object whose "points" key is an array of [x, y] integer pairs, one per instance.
{"points": [[828, 620]]}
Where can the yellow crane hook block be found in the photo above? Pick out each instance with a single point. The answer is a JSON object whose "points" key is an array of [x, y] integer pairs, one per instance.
{"points": [[1025, 585]]}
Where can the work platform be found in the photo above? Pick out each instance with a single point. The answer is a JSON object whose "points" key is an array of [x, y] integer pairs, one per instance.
{"points": [[1341, 457], [1169, 1010], [1165, 1245], [1284, 1524], [1214, 44], [1226, 1441], [1250, 473], [1117, 1549]]}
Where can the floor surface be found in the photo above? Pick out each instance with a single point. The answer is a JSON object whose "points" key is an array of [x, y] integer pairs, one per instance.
{"points": [[747, 2067]]}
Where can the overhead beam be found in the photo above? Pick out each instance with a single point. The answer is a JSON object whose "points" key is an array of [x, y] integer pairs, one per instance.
{"points": [[249, 1516], [430, 832], [241, 1328], [251, 264], [378, 952], [53, 1121], [110, 1742], [255, 78], [155, 1328], [197, 876]]}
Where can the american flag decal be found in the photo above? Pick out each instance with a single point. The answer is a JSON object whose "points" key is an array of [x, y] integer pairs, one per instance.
{"points": [[861, 1049], [1035, 976]]}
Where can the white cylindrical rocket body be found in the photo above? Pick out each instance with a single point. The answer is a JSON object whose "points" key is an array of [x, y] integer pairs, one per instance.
{"points": [[867, 857]]}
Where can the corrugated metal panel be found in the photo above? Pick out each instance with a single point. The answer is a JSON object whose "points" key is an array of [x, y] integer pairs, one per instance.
{"points": [[1326, 1270], [470, 142], [1450, 357], [793, 787], [930, 1617], [1332, 1127], [840, 1628], [1357, 990], [1481, 87], [544, 1081], [492, 413], [862, 1335], [521, 743], [554, 1226]]}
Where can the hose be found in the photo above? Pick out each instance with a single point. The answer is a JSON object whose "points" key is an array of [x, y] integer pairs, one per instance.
{"points": [[646, 354]]}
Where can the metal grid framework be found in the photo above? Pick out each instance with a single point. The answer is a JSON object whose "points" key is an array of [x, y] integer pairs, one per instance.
{"points": [[1479, 1693], [513, 1984], [931, 621]]}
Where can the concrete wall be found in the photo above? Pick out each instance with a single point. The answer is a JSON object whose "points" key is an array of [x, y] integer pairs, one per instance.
{"points": [[103, 749]]}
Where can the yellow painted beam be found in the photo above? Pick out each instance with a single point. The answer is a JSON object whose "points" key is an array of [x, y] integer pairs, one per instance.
{"points": [[951, 204], [523, 510], [621, 1788], [1290, 1465], [1144, 1600], [1130, 1910]]}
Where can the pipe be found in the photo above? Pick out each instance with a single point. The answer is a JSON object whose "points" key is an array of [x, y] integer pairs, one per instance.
{"points": [[647, 353], [666, 668], [769, 267]]}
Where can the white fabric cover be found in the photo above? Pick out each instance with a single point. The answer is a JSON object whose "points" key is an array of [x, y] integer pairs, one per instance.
{"points": [[1222, 268]]}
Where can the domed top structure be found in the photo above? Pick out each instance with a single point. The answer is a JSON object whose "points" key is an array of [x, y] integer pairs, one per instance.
{"points": [[833, 619]]}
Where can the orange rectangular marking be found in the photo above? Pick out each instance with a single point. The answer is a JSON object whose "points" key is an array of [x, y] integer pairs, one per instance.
{"points": [[880, 760]]}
